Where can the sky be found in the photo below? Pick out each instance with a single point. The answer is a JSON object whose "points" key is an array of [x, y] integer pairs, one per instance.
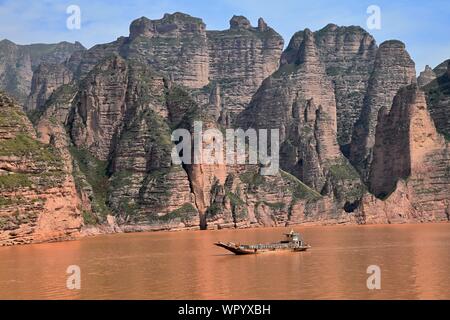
{"points": [[423, 25]]}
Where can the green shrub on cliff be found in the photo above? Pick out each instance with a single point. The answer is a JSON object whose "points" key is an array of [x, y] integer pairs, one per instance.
{"points": [[344, 170], [95, 173], [25, 146], [15, 181], [299, 190], [183, 213], [253, 180]]}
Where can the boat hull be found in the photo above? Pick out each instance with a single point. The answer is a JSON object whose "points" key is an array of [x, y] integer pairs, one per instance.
{"points": [[248, 250]]}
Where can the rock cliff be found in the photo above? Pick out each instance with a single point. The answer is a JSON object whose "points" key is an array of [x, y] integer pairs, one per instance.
{"points": [[348, 54], [175, 45], [38, 200], [426, 76], [47, 78], [102, 154], [240, 59], [100, 107], [299, 100], [438, 97], [230, 64], [17, 63], [442, 68], [411, 163], [393, 70]]}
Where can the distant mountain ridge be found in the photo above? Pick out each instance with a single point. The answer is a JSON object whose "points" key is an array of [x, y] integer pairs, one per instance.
{"points": [[18, 62]]}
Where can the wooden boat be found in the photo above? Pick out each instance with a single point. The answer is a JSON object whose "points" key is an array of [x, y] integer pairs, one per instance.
{"points": [[293, 243]]}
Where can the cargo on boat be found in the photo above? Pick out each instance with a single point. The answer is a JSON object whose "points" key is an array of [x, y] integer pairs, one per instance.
{"points": [[293, 242]]}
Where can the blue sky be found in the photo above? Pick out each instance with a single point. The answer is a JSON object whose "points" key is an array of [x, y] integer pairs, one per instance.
{"points": [[422, 25]]}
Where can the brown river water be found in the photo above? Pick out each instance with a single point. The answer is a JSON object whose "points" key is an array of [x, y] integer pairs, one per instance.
{"points": [[414, 262]]}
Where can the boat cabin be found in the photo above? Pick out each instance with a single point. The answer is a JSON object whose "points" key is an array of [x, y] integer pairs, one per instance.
{"points": [[294, 237]]}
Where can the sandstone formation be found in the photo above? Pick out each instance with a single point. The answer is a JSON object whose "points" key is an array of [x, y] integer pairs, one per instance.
{"points": [[393, 70], [233, 62], [100, 107], [130, 109], [442, 68], [18, 62], [38, 200], [102, 154], [438, 97], [299, 100], [348, 55], [82, 62], [411, 164], [46, 79], [175, 45], [240, 59], [15, 70], [426, 76]]}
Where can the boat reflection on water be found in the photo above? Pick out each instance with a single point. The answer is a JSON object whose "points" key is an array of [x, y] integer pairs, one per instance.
{"points": [[293, 242]]}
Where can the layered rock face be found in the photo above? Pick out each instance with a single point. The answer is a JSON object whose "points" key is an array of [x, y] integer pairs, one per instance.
{"points": [[38, 200], [105, 119], [438, 97], [232, 63], [426, 76], [47, 78], [247, 199], [348, 55], [120, 114], [15, 70], [411, 163], [175, 45], [82, 62], [52, 53], [100, 107], [299, 101], [240, 59], [302, 80], [229, 65], [17, 64], [118, 118], [131, 110], [146, 189], [441, 69], [393, 70]]}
